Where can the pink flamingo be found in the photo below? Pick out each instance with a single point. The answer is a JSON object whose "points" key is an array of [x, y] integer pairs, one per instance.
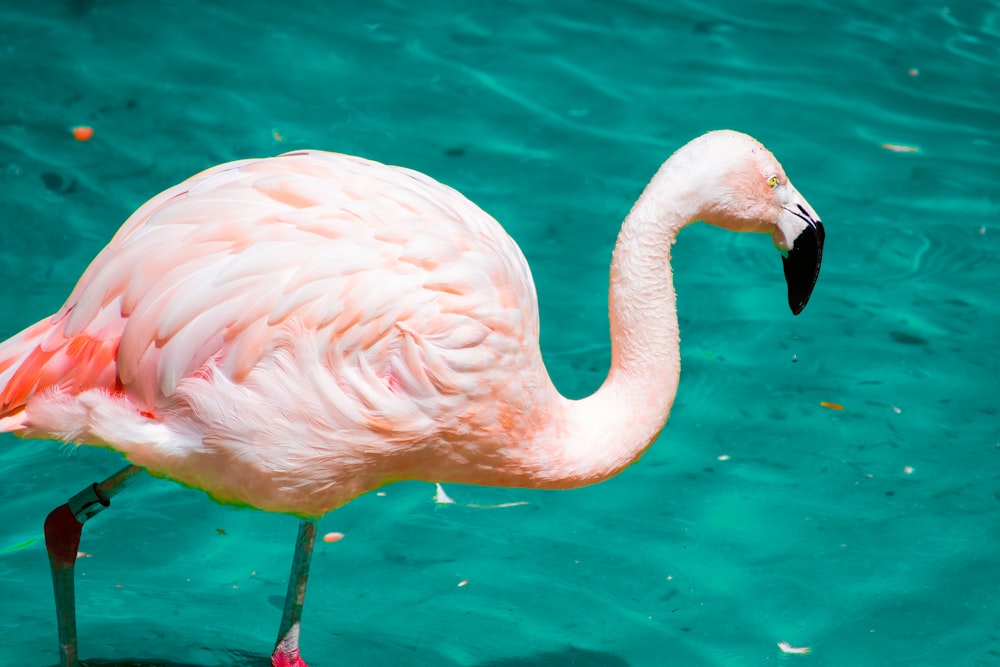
{"points": [[292, 332]]}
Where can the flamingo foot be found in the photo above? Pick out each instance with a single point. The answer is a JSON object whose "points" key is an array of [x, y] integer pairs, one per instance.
{"points": [[283, 657]]}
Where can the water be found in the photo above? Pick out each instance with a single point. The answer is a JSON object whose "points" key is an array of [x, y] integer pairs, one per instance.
{"points": [[868, 534]]}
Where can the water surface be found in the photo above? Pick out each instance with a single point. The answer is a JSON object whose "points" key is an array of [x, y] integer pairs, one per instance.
{"points": [[868, 534]]}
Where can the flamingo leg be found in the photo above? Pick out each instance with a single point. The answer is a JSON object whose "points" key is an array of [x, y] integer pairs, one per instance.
{"points": [[286, 652], [63, 528]]}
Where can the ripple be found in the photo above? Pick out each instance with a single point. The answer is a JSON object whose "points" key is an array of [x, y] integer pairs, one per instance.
{"points": [[922, 257], [553, 116]]}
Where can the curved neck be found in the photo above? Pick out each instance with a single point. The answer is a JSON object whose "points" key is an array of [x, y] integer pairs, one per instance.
{"points": [[600, 435]]}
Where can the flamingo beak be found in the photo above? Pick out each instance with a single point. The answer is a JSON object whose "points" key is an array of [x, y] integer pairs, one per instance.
{"points": [[803, 260]]}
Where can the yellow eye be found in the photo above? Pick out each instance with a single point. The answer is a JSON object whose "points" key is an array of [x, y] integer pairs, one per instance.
{"points": [[773, 181]]}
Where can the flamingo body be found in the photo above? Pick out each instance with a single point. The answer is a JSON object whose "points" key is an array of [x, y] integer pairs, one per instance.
{"points": [[291, 332], [288, 333]]}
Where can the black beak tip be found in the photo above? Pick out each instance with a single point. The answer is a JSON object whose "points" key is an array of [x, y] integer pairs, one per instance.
{"points": [[802, 265]]}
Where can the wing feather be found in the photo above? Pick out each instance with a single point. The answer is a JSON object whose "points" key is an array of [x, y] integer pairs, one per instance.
{"points": [[402, 286]]}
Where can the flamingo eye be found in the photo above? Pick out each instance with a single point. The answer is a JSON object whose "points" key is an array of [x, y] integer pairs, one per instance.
{"points": [[773, 181]]}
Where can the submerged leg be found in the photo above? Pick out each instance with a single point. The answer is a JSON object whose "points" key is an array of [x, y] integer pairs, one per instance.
{"points": [[63, 527], [286, 652]]}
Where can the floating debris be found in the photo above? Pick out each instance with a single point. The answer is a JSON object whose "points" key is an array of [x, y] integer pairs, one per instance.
{"points": [[442, 498], [83, 132], [832, 406], [333, 537], [901, 148], [22, 545], [788, 648]]}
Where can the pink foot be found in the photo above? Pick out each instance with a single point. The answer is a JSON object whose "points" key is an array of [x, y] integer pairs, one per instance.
{"points": [[287, 658]]}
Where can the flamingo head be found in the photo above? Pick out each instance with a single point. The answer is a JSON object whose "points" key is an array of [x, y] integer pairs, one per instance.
{"points": [[755, 195]]}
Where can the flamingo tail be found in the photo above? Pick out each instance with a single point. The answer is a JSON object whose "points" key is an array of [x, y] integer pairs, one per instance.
{"points": [[43, 359]]}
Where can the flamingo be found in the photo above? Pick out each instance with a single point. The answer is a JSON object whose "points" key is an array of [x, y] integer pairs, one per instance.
{"points": [[289, 333]]}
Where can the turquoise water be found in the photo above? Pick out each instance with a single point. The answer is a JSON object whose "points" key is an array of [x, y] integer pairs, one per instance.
{"points": [[869, 534]]}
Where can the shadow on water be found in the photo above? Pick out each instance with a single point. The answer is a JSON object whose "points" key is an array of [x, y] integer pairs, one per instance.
{"points": [[242, 658], [568, 657], [134, 662]]}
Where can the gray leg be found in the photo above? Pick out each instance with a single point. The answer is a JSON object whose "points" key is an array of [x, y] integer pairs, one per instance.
{"points": [[286, 652], [63, 528]]}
